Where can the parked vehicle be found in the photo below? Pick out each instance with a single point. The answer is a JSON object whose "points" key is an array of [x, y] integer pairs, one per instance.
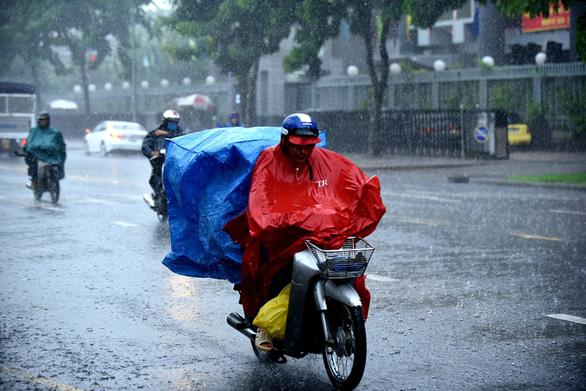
{"points": [[17, 115], [518, 131], [158, 201], [110, 136], [324, 314], [519, 134]]}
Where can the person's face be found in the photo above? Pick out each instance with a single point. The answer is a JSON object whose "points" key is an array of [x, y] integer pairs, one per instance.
{"points": [[300, 153], [43, 122]]}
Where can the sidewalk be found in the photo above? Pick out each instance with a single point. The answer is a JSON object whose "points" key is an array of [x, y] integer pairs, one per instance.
{"points": [[523, 163], [401, 162]]}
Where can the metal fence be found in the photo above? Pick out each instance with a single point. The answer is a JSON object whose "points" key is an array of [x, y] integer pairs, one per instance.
{"points": [[445, 133], [549, 87]]}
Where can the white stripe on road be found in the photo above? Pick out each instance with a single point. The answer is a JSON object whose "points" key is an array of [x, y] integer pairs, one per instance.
{"points": [[93, 201], [526, 236], [375, 277], [570, 212], [124, 224], [569, 318], [38, 379], [431, 223]]}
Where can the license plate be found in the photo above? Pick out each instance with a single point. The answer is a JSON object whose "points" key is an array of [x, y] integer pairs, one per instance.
{"points": [[5, 143]]}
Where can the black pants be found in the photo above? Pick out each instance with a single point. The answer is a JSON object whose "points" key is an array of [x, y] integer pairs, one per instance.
{"points": [[156, 180], [33, 166]]}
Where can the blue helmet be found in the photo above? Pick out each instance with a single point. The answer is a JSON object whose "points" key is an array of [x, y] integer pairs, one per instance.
{"points": [[300, 129]]}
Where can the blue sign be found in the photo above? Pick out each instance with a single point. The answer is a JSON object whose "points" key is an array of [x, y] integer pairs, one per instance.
{"points": [[481, 134]]}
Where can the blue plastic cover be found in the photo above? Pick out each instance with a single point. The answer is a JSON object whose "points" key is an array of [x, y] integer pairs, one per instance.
{"points": [[207, 179]]}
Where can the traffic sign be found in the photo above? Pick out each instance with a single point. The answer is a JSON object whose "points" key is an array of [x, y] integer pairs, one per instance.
{"points": [[481, 134]]}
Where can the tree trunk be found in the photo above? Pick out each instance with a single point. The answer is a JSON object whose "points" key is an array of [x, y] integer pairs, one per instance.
{"points": [[84, 83], [35, 72], [250, 110], [379, 82]]}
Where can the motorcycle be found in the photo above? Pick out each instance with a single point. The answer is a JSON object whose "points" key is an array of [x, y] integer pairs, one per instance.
{"points": [[158, 201], [324, 314], [47, 179]]}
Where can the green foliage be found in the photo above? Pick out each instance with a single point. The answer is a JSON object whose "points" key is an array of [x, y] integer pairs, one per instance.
{"points": [[506, 97], [481, 64], [234, 34], [31, 29], [573, 107], [581, 37], [460, 97], [577, 179], [321, 21], [426, 13], [533, 7]]}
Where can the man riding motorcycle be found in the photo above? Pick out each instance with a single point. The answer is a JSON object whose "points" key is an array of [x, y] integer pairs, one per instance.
{"points": [[154, 142], [44, 144], [298, 191]]}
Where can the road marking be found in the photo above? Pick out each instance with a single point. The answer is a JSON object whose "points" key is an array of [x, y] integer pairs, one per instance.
{"points": [[94, 201], [570, 212], [110, 181], [34, 204], [569, 318], [124, 224], [422, 196], [375, 277], [431, 223], [38, 379], [525, 236]]}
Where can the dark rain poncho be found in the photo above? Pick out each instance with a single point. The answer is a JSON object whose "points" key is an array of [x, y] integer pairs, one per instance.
{"points": [[47, 144]]}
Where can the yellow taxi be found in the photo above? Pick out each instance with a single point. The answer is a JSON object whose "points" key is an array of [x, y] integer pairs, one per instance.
{"points": [[519, 133]]}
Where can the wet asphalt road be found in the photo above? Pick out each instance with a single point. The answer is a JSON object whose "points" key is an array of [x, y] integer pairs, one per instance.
{"points": [[465, 281]]}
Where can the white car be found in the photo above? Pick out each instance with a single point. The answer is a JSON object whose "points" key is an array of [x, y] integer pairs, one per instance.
{"points": [[108, 136]]}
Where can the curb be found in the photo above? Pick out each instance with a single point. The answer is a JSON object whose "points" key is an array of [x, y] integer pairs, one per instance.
{"points": [[552, 185]]}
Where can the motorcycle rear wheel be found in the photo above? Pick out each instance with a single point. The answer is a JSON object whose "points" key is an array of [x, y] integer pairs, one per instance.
{"points": [[267, 357], [346, 359]]}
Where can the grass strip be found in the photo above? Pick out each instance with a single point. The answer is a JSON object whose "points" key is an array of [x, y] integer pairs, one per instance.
{"points": [[577, 179]]}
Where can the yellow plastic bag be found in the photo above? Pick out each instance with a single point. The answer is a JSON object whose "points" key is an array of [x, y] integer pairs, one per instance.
{"points": [[272, 316]]}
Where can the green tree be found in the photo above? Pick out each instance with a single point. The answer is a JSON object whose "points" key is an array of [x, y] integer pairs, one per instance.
{"points": [[86, 27], [25, 36], [235, 34], [367, 19]]}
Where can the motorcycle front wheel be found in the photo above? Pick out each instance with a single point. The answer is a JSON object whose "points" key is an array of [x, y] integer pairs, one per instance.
{"points": [[345, 357], [38, 194], [54, 190]]}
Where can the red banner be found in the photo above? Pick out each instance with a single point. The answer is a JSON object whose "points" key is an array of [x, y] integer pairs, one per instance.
{"points": [[561, 20]]}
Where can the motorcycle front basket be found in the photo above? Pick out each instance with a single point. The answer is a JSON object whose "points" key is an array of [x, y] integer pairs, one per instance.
{"points": [[349, 261]]}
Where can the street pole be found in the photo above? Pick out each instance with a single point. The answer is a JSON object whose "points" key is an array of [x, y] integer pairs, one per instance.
{"points": [[133, 62], [462, 140]]}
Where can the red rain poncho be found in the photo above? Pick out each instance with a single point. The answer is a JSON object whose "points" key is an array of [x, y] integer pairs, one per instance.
{"points": [[326, 201]]}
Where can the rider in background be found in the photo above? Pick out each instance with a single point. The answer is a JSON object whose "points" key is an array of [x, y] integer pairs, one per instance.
{"points": [[234, 119], [155, 141], [44, 144]]}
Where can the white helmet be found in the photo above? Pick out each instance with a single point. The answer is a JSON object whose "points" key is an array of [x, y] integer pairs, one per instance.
{"points": [[171, 116]]}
